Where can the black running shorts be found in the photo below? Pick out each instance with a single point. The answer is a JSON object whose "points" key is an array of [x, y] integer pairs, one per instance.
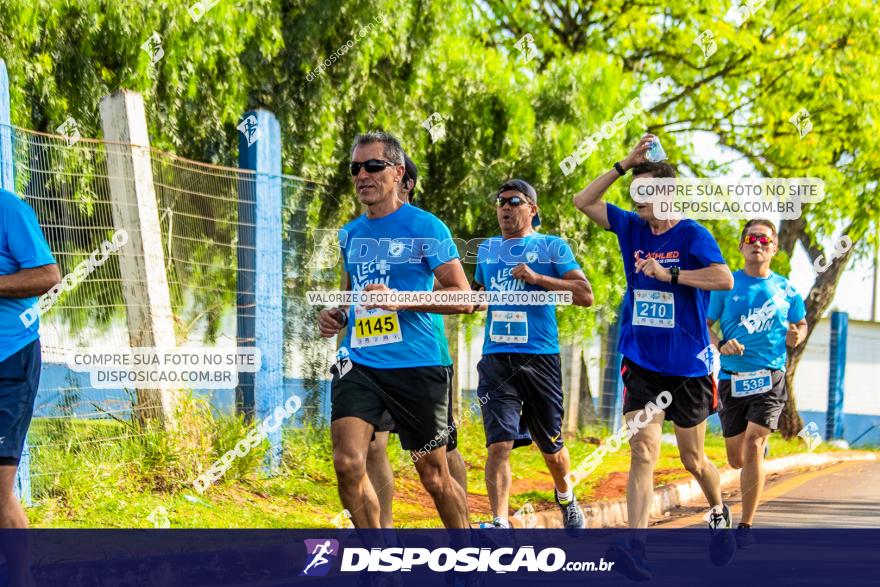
{"points": [[763, 409], [386, 424], [693, 398], [415, 397]]}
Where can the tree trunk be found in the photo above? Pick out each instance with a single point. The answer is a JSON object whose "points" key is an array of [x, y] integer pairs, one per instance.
{"points": [[821, 296]]}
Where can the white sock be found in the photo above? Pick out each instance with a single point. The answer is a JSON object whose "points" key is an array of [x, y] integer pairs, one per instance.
{"points": [[564, 497]]}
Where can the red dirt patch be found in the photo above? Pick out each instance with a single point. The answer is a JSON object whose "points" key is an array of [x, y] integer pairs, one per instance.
{"points": [[410, 491], [614, 485]]}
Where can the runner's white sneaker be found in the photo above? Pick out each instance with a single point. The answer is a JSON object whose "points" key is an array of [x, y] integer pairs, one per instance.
{"points": [[719, 518], [722, 546]]}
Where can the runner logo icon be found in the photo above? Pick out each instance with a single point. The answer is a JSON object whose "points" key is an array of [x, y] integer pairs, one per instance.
{"points": [[320, 555]]}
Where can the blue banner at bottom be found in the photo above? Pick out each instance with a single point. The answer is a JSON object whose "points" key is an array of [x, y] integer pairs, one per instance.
{"points": [[193, 558]]}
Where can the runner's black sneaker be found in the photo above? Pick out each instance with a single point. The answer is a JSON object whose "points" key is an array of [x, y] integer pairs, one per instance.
{"points": [[572, 516], [744, 538], [630, 560], [723, 543]]}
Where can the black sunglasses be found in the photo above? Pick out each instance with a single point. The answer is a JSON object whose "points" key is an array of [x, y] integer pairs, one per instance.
{"points": [[371, 165], [515, 201]]}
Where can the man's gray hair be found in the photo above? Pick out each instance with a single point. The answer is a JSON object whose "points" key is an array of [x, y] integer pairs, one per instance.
{"points": [[392, 150]]}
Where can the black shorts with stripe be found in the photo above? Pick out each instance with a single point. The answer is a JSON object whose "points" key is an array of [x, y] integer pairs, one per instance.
{"points": [[693, 398], [521, 399]]}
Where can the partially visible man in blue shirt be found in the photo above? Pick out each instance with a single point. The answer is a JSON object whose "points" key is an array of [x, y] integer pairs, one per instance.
{"points": [[27, 270]]}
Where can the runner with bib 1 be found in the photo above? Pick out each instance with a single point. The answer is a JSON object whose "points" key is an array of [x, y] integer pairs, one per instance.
{"points": [[520, 385]]}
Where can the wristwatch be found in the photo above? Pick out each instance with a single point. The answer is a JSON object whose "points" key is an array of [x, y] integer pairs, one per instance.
{"points": [[674, 271], [619, 168]]}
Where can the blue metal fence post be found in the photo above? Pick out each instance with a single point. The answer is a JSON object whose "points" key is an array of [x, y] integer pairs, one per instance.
{"points": [[260, 317], [22, 485], [612, 383], [836, 372]]}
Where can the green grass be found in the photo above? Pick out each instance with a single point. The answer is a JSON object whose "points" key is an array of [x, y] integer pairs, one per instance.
{"points": [[110, 473]]}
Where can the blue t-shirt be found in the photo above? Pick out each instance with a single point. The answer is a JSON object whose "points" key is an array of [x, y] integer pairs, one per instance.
{"points": [[663, 326], [400, 250], [756, 312], [22, 246], [527, 329]]}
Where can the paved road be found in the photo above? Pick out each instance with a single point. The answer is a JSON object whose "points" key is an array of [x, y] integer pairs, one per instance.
{"points": [[846, 495]]}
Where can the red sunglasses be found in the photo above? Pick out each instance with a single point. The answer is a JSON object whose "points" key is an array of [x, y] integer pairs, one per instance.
{"points": [[751, 239]]}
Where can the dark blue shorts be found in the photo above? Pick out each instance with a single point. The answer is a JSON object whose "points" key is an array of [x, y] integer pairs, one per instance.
{"points": [[19, 381], [521, 397]]}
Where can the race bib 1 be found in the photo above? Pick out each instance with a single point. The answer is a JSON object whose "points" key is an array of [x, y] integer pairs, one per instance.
{"points": [[511, 327], [654, 308], [374, 327], [751, 383]]}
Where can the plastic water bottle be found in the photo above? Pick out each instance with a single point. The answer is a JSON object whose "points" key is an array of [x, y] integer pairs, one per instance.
{"points": [[655, 152]]}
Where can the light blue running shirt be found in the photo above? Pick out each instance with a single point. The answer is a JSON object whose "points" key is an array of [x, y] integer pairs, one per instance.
{"points": [[756, 312], [22, 246], [400, 250], [516, 328]]}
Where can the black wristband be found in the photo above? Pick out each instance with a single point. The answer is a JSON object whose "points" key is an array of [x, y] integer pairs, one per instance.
{"points": [[674, 271], [722, 342], [619, 168], [344, 314]]}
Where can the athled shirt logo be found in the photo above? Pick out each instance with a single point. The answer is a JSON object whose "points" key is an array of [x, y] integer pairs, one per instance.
{"points": [[320, 555], [667, 256]]}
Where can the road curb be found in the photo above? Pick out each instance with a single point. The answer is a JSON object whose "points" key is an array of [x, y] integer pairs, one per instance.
{"points": [[612, 513]]}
